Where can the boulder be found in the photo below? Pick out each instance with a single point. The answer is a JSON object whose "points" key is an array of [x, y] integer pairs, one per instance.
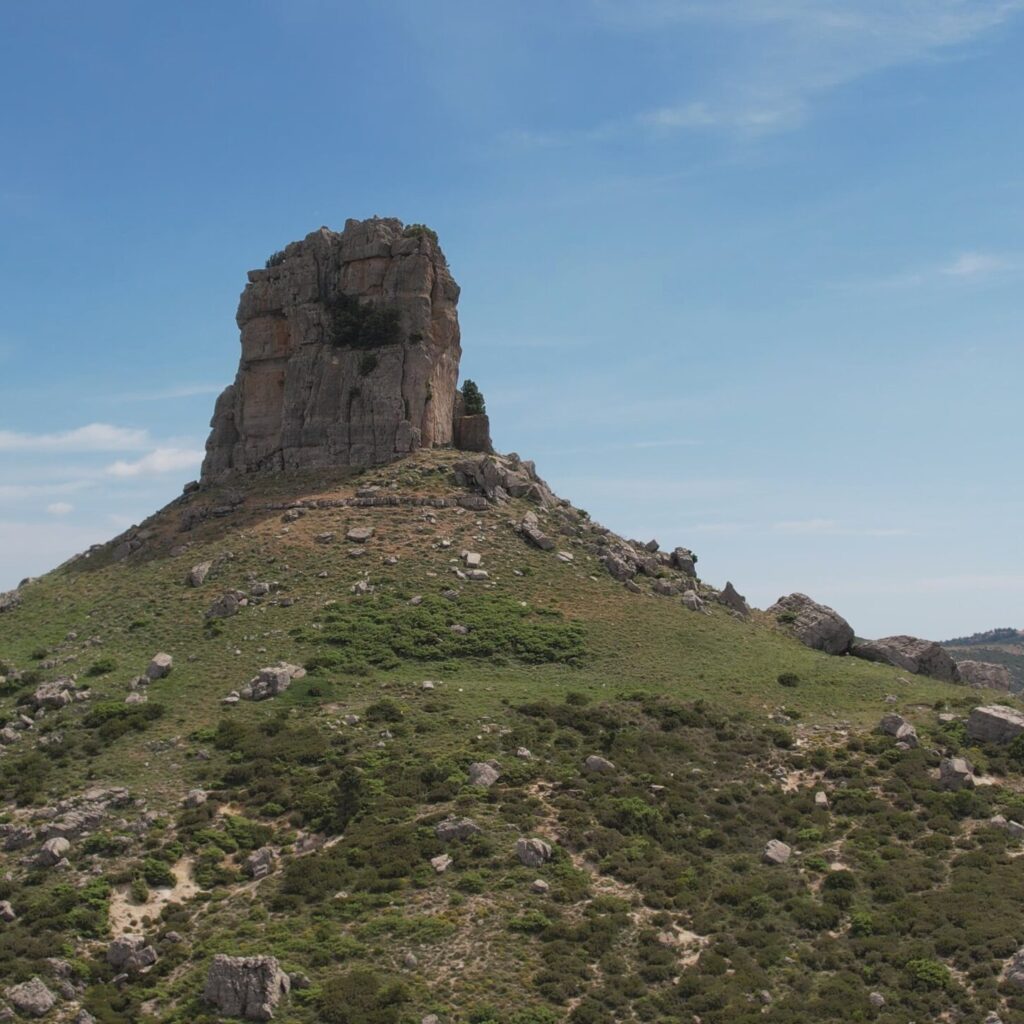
{"points": [[1013, 972], [484, 773], [53, 695], [350, 354], [777, 852], [130, 953], [955, 773], [260, 863], [532, 853], [595, 764], [228, 604], [441, 863], [693, 601], [815, 625], [456, 828], [985, 675], [898, 727], [160, 665], [994, 723], [271, 681], [734, 601], [196, 576], [919, 657], [53, 852], [246, 986], [359, 534], [195, 798], [685, 561], [31, 998], [7, 912]]}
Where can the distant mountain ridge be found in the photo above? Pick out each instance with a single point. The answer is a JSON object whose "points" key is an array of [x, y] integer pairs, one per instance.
{"points": [[1002, 646]]}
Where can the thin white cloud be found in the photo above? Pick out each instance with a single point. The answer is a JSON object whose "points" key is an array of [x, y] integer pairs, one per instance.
{"points": [[21, 492], [160, 460], [781, 56], [975, 264], [60, 508], [94, 437]]}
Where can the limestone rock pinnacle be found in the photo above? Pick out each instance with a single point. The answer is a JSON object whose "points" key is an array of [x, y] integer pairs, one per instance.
{"points": [[350, 354]]}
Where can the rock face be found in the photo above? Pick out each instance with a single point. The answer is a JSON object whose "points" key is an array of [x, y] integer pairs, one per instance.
{"points": [[815, 625], [350, 354], [32, 998], [984, 674], [246, 986], [919, 657]]}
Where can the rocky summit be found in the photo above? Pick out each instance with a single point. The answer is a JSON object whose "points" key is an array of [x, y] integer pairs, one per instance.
{"points": [[372, 726], [350, 355]]}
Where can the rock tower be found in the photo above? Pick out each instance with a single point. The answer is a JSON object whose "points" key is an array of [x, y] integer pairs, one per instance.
{"points": [[350, 356]]}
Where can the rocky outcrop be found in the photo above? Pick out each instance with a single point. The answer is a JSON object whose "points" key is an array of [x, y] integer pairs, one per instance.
{"points": [[734, 601], [815, 625], [919, 657], [350, 354], [984, 675], [246, 986], [31, 998], [899, 728]]}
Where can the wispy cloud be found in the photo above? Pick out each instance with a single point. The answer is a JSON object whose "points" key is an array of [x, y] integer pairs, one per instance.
{"points": [[22, 492], [160, 460], [782, 57], [95, 437], [972, 267], [60, 508]]}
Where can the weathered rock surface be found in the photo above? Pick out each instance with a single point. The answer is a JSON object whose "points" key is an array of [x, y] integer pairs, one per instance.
{"points": [[197, 574], [484, 773], [1014, 970], [815, 625], [919, 657], [984, 674], [130, 953], [777, 852], [994, 723], [350, 354], [532, 853], [898, 727], [595, 764], [271, 681], [956, 773], [31, 998], [159, 666], [456, 828], [734, 601], [260, 863], [246, 986]]}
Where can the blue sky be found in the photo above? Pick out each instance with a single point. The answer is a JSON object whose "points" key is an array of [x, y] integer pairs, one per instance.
{"points": [[743, 275]]}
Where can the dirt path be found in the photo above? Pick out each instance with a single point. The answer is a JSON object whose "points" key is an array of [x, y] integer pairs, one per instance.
{"points": [[127, 917]]}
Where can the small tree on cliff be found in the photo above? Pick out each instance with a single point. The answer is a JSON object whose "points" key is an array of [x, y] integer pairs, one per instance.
{"points": [[473, 399]]}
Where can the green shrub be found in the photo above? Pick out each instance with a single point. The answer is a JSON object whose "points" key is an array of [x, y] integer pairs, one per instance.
{"points": [[101, 667], [353, 323], [928, 974], [361, 997], [472, 399], [420, 231], [275, 259], [788, 678]]}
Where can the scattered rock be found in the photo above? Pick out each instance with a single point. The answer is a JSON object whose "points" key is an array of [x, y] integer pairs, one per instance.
{"points": [[777, 852], [160, 666], [821, 800], [815, 625], [877, 1000], [197, 574], [260, 863], [227, 605], [441, 863], [1014, 970], [956, 773], [246, 986], [53, 852], [7, 912], [595, 763], [359, 534], [130, 953], [484, 773], [692, 600], [195, 798], [456, 828], [897, 726], [539, 886], [53, 695], [31, 998], [271, 681], [532, 853]]}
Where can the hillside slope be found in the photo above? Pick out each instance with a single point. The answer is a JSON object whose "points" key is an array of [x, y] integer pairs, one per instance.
{"points": [[999, 646], [440, 716]]}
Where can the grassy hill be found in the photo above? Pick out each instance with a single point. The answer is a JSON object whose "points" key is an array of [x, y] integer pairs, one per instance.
{"points": [[655, 904]]}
